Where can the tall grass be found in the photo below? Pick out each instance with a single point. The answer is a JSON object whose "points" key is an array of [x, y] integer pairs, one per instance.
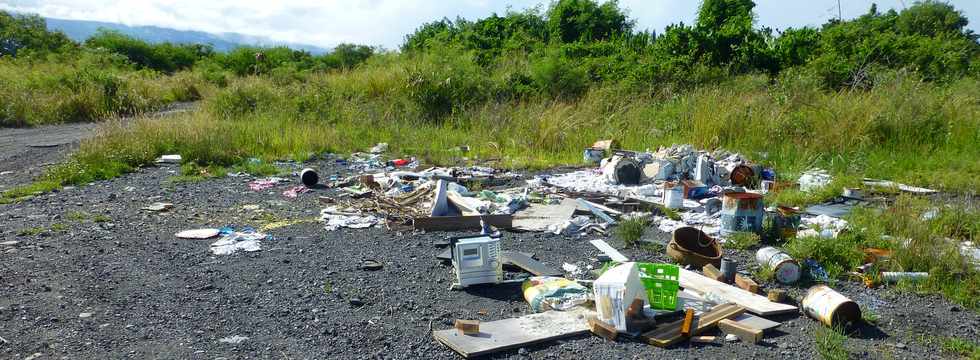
{"points": [[87, 89]]}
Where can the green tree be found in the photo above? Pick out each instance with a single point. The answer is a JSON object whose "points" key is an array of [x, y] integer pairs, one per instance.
{"points": [[585, 20], [29, 32]]}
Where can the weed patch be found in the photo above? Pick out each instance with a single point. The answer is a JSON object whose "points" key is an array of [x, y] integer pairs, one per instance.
{"points": [[631, 229]]}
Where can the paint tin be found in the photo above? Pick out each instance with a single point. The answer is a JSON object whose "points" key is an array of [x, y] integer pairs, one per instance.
{"points": [[309, 177], [728, 267], [742, 211], [830, 307], [673, 196], [785, 269], [787, 221]]}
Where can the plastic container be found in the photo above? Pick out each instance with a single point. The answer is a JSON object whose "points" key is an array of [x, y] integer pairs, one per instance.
{"points": [[830, 307], [785, 269], [674, 197], [661, 282]]}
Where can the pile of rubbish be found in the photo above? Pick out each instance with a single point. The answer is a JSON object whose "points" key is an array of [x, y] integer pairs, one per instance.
{"points": [[702, 198]]}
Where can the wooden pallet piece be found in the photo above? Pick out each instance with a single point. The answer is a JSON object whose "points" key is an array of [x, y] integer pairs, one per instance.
{"points": [[669, 334], [754, 303], [711, 272]]}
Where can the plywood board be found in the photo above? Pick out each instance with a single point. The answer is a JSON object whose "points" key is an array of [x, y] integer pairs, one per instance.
{"points": [[516, 332], [528, 264], [752, 302], [453, 223], [756, 322], [609, 251], [538, 217]]}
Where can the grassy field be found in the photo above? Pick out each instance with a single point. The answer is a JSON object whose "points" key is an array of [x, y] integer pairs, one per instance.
{"points": [[901, 129], [81, 90]]}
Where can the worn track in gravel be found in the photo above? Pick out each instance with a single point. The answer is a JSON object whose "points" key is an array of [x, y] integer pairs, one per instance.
{"points": [[151, 295], [25, 152]]}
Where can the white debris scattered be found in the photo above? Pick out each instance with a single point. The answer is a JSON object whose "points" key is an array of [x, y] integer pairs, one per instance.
{"points": [[336, 218], [198, 234], [380, 148], [814, 179], [571, 227], [238, 241], [237, 339], [571, 269], [822, 225], [169, 159]]}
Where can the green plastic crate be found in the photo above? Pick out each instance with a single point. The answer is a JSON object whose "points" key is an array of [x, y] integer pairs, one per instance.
{"points": [[661, 284]]}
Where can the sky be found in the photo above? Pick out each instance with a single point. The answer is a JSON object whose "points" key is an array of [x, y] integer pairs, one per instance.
{"points": [[385, 23]]}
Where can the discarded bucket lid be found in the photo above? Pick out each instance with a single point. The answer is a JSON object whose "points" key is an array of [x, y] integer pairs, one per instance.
{"points": [[198, 234], [371, 265]]}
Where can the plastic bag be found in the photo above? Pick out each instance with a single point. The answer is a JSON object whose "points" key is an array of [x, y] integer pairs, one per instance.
{"points": [[554, 293]]}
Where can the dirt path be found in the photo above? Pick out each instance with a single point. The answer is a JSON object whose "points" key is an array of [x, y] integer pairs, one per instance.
{"points": [[25, 152]]}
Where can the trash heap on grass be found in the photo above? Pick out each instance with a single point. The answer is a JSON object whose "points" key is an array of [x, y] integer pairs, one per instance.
{"points": [[702, 198]]}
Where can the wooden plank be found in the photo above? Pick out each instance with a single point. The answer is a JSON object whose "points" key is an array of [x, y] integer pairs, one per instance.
{"points": [[752, 302], [746, 283], [744, 333], [669, 334], [467, 206], [609, 250], [538, 217], [516, 332], [602, 329], [688, 322], [756, 322], [453, 223], [595, 211], [713, 273], [528, 264], [601, 207]]}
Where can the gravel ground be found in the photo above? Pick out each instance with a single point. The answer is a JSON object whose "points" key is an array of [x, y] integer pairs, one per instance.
{"points": [[93, 276]]}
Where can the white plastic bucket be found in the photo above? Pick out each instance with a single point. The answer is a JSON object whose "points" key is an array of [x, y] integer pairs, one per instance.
{"points": [[785, 269], [674, 197]]}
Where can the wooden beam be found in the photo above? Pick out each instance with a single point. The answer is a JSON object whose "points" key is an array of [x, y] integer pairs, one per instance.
{"points": [[688, 322], [746, 283], [713, 273], [453, 223], [602, 329]]}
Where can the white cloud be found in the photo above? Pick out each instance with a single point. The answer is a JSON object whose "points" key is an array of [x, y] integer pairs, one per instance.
{"points": [[386, 22]]}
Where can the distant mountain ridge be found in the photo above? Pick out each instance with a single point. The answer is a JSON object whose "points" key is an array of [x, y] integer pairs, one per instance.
{"points": [[79, 30]]}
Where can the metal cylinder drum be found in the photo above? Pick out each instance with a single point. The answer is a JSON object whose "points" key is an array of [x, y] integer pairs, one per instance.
{"points": [[830, 307], [785, 269], [742, 211], [728, 268], [309, 177]]}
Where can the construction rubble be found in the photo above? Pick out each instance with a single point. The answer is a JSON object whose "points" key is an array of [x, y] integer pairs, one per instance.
{"points": [[699, 197]]}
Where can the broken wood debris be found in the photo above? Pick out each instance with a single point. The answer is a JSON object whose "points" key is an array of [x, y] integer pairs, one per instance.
{"points": [[467, 327], [669, 334]]}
